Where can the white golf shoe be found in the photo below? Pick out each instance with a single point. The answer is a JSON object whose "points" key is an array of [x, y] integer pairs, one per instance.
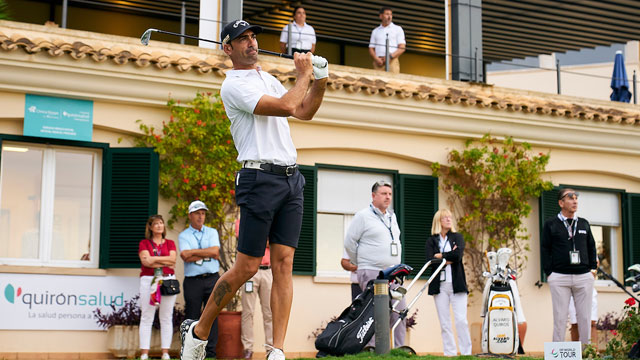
{"points": [[192, 348], [274, 353]]}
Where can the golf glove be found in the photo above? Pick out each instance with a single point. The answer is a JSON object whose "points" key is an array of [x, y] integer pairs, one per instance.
{"points": [[320, 67]]}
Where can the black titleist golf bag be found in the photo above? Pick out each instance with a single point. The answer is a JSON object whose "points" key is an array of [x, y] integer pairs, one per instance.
{"points": [[353, 329]]}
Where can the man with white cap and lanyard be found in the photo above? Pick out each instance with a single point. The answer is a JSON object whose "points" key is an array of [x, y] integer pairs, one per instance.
{"points": [[200, 251], [269, 187]]}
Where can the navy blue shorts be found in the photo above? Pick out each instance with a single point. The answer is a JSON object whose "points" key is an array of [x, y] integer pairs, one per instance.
{"points": [[270, 207]]}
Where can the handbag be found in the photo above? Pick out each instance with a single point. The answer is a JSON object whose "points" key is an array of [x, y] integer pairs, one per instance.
{"points": [[170, 287]]}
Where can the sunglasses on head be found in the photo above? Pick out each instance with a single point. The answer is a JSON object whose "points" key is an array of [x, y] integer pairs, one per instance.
{"points": [[571, 195], [380, 183]]}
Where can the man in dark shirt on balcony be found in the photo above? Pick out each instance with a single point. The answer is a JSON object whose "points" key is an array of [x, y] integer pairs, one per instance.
{"points": [[568, 254]]}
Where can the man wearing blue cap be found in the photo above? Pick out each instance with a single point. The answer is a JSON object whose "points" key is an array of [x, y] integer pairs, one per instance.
{"points": [[269, 187]]}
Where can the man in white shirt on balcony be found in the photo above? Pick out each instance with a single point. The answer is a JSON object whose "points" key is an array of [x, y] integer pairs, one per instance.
{"points": [[377, 44]]}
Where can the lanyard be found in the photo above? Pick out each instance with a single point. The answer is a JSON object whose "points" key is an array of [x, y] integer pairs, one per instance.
{"points": [[574, 225], [446, 240], [383, 223], [201, 236]]}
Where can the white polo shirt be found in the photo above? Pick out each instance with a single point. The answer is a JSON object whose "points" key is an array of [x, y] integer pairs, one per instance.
{"points": [[257, 137], [379, 38], [302, 37]]}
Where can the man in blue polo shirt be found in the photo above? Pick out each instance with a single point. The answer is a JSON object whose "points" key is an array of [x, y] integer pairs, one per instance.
{"points": [[200, 250]]}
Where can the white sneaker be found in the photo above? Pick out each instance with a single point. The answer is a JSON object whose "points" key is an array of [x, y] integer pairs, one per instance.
{"points": [[165, 357], [192, 348], [144, 357], [274, 353]]}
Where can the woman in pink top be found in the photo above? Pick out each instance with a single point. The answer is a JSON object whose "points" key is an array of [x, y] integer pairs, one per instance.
{"points": [[158, 258]]}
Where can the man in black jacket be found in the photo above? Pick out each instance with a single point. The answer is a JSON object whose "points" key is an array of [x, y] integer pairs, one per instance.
{"points": [[568, 254]]}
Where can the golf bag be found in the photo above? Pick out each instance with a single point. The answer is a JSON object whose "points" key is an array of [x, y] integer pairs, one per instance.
{"points": [[352, 330], [500, 325]]}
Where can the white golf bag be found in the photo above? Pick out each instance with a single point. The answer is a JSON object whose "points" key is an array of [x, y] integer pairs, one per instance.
{"points": [[500, 325]]}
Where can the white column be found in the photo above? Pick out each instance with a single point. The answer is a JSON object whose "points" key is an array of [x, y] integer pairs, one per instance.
{"points": [[210, 23]]}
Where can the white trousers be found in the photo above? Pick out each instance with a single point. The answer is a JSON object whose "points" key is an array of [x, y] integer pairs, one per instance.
{"points": [[562, 287], [147, 313], [458, 303]]}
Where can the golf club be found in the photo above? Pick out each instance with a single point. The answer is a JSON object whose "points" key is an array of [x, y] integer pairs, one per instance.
{"points": [[146, 36]]}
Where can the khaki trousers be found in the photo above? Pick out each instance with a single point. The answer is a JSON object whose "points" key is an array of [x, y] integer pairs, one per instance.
{"points": [[394, 67], [562, 287], [262, 282]]}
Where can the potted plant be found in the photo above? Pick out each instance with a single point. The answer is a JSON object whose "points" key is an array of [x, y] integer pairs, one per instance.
{"points": [[198, 162], [122, 329]]}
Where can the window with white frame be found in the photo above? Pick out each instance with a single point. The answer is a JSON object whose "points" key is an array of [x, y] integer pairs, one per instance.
{"points": [[603, 211], [340, 194], [49, 205]]}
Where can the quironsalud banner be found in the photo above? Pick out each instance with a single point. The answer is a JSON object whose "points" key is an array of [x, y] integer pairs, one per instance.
{"points": [[60, 302]]}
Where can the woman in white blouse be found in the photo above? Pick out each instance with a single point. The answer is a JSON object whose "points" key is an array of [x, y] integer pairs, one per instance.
{"points": [[303, 37]]}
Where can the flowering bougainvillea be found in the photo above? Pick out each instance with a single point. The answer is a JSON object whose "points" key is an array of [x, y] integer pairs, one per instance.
{"points": [[198, 162]]}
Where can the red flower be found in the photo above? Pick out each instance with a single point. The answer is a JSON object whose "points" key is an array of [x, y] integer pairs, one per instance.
{"points": [[213, 185], [630, 301], [208, 93], [615, 333], [540, 154], [495, 150], [505, 156], [188, 141], [228, 141], [204, 187], [232, 192], [171, 118], [199, 122], [181, 129], [197, 111], [185, 180]]}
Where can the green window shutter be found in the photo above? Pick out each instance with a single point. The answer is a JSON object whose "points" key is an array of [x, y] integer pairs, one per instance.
{"points": [[548, 208], [631, 230], [304, 260], [418, 204], [129, 197]]}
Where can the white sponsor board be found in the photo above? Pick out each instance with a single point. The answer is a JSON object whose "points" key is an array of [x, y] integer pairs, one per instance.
{"points": [[60, 302], [562, 350]]}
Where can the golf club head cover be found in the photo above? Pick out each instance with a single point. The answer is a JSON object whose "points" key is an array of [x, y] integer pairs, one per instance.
{"points": [[320, 67]]}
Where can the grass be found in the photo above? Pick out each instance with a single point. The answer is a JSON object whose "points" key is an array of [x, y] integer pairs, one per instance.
{"points": [[401, 355]]}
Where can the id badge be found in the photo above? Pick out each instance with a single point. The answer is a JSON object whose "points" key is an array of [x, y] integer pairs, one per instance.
{"points": [[198, 262], [394, 249], [248, 286], [157, 272], [443, 275], [575, 257]]}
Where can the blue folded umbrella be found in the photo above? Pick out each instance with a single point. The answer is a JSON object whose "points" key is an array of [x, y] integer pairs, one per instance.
{"points": [[619, 82]]}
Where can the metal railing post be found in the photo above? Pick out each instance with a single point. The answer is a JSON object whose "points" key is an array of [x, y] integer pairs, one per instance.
{"points": [[475, 66], [558, 74], [635, 96], [387, 56], [65, 9], [381, 316], [289, 51], [183, 21]]}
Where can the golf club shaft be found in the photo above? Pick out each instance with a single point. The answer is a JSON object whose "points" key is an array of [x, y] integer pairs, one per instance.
{"points": [[286, 56]]}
